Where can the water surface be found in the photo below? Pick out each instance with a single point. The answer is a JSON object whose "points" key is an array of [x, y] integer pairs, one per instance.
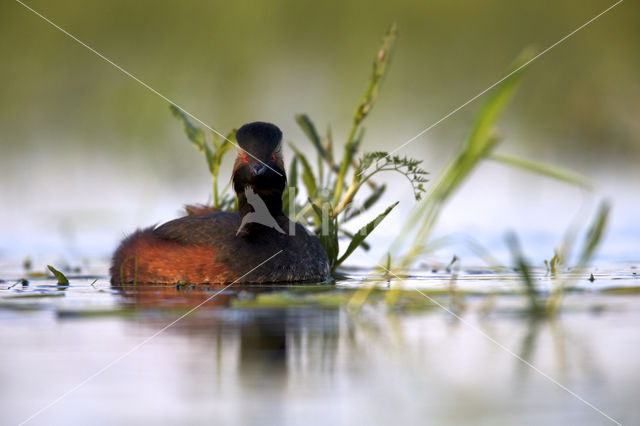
{"points": [[290, 355]]}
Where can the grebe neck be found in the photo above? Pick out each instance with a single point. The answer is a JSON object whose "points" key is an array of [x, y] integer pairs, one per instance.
{"points": [[272, 201]]}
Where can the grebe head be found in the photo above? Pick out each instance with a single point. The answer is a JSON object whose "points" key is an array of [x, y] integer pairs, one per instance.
{"points": [[259, 162]]}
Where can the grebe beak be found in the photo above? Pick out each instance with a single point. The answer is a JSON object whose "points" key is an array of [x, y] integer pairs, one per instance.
{"points": [[258, 169]]}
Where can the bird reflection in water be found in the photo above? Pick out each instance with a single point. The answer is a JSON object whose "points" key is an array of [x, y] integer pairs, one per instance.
{"points": [[269, 341]]}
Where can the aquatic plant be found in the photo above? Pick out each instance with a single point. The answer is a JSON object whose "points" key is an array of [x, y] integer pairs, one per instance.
{"points": [[213, 153], [479, 146], [543, 303], [330, 191], [591, 241], [62, 279], [332, 187]]}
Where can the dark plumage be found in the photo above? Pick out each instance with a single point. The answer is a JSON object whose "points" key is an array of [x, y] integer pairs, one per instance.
{"points": [[211, 247]]}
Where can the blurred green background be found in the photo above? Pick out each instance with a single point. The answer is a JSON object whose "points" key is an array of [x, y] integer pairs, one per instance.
{"points": [[85, 147]]}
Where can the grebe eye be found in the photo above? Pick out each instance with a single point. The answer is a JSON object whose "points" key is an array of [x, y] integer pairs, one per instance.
{"points": [[273, 157], [244, 157]]}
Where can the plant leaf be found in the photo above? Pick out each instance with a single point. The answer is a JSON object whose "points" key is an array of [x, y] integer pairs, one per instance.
{"points": [[370, 201], [374, 197], [293, 172], [328, 235], [478, 145], [594, 235], [495, 104], [62, 280], [308, 177], [227, 143], [365, 246], [309, 129], [328, 148], [364, 232], [525, 273], [194, 133], [379, 71], [289, 199], [553, 172]]}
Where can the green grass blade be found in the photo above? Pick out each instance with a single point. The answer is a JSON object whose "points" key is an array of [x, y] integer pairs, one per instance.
{"points": [[289, 199], [309, 129], [329, 233], [550, 171], [328, 148], [380, 68], [478, 145], [368, 203], [194, 133], [227, 143], [493, 107], [308, 178], [374, 197], [62, 280], [378, 73], [595, 233], [365, 246], [293, 172], [525, 274], [364, 232]]}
